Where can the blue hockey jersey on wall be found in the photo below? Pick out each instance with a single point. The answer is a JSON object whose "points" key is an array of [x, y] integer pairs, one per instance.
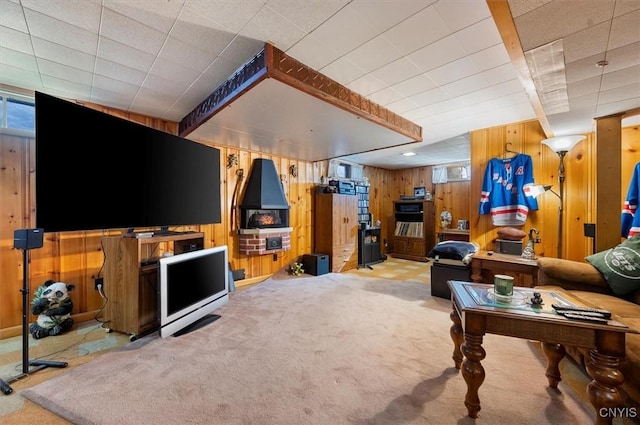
{"points": [[505, 190], [630, 220]]}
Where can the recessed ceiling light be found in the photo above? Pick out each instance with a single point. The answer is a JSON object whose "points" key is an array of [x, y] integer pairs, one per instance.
{"points": [[409, 153]]}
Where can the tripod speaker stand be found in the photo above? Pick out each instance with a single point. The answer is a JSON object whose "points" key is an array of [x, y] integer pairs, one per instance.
{"points": [[26, 239]]}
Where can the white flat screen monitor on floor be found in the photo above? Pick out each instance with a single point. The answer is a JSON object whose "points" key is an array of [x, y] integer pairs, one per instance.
{"points": [[191, 286]]}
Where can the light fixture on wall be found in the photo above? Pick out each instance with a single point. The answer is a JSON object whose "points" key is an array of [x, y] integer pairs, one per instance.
{"points": [[561, 145]]}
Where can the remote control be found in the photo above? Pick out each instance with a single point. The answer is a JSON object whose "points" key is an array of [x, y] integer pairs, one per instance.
{"points": [[604, 313], [578, 316]]}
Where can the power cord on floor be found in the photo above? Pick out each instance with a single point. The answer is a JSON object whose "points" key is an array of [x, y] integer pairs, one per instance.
{"points": [[106, 300]]}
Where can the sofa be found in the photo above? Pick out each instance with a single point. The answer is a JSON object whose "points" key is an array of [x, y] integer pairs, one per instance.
{"points": [[587, 283]]}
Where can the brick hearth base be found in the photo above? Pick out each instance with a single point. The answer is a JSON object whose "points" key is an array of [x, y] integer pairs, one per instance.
{"points": [[254, 241]]}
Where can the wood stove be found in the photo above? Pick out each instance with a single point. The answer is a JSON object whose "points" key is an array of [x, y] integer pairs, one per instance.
{"points": [[264, 212]]}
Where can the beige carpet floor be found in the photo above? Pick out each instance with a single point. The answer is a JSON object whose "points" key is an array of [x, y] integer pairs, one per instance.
{"points": [[332, 349]]}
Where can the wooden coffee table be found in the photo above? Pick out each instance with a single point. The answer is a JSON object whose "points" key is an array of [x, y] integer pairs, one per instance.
{"points": [[475, 313]]}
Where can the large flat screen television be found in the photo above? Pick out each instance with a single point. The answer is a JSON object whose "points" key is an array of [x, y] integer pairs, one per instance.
{"points": [[98, 171], [190, 287]]}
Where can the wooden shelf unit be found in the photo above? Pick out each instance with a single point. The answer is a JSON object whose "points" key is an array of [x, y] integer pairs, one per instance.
{"points": [[336, 229], [413, 235], [131, 278]]}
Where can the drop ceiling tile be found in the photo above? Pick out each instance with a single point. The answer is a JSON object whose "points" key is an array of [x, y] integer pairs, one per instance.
{"points": [[174, 74], [418, 84], [402, 106], [588, 42], [430, 97], [583, 69], [500, 73], [549, 22], [150, 101], [314, 52], [417, 31], [385, 96], [441, 52], [147, 12], [198, 31], [365, 85], [187, 55], [131, 33], [623, 7], [65, 88], [587, 100], [122, 92], [459, 14], [19, 77], [64, 72], [373, 54], [456, 70], [479, 36], [466, 85], [18, 60], [12, 16], [626, 92], [385, 14], [268, 25], [125, 55], [584, 87], [119, 72], [57, 53], [613, 80], [232, 15], [169, 88], [520, 7], [618, 105], [343, 70], [625, 30], [623, 57], [343, 32], [490, 57], [15, 40], [59, 32], [305, 14], [240, 50], [396, 72], [83, 14]]}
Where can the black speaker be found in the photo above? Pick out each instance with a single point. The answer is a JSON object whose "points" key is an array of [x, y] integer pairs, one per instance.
{"points": [[28, 238]]}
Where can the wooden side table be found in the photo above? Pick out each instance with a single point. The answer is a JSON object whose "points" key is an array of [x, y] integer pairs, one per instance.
{"points": [[486, 264]]}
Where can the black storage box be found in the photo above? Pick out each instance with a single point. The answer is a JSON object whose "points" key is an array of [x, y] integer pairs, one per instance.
{"points": [[442, 272], [316, 264]]}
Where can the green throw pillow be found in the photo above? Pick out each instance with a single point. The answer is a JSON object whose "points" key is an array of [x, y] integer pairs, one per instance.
{"points": [[620, 266]]}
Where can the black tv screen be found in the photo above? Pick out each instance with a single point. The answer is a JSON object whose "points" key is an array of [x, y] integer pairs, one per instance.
{"points": [[98, 171]]}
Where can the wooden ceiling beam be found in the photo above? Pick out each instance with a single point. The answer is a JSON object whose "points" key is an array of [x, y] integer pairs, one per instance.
{"points": [[501, 14]]}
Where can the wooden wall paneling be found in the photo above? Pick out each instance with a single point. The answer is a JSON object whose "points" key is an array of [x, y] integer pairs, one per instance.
{"points": [[12, 190], [578, 202], [608, 168]]}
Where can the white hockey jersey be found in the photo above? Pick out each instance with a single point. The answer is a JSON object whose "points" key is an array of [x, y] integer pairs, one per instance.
{"points": [[505, 190]]}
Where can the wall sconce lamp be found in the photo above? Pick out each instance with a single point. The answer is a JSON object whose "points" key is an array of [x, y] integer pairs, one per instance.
{"points": [[561, 145]]}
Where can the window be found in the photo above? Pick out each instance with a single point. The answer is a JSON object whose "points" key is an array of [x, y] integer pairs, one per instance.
{"points": [[17, 112]]}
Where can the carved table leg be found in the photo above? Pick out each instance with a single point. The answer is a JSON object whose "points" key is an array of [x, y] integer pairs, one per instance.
{"points": [[456, 335], [554, 353], [603, 391], [472, 371]]}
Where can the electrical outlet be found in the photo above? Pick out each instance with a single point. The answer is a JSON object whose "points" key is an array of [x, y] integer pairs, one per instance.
{"points": [[99, 281], [275, 257]]}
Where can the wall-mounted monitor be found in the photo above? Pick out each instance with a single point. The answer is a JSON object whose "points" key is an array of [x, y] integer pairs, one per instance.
{"points": [[190, 287], [98, 171]]}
